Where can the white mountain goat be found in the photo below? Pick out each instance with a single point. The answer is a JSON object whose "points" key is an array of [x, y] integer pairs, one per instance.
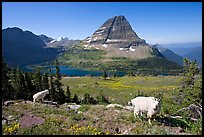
{"points": [[40, 95], [151, 105]]}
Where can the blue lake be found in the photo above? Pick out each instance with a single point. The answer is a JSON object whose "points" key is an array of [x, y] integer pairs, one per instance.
{"points": [[71, 71]]}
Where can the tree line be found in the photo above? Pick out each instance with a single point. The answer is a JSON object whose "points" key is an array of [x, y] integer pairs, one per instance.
{"points": [[17, 84]]}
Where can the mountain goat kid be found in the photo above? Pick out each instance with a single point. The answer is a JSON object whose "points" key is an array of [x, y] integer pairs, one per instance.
{"points": [[151, 105], [40, 95]]}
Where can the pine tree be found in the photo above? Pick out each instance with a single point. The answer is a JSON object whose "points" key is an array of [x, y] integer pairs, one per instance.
{"points": [[20, 84], [68, 95], [38, 80], [75, 99], [29, 88], [115, 75], [86, 99], [7, 90], [60, 96], [188, 93], [14, 82], [105, 74], [45, 81], [52, 87]]}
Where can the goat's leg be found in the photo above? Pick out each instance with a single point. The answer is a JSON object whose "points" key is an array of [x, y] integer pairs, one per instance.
{"points": [[149, 115], [136, 112], [149, 120]]}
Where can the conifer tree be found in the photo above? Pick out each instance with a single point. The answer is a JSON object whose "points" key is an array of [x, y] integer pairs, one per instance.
{"points": [[38, 80], [60, 96], [105, 74], [45, 81], [76, 99], [20, 84], [68, 95], [189, 89], [7, 90], [52, 87], [29, 88]]}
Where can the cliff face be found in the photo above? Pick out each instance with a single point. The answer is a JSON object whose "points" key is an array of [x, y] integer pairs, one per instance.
{"points": [[118, 32], [117, 37]]}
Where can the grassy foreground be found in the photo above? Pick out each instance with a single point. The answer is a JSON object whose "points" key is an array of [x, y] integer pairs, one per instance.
{"points": [[96, 119]]}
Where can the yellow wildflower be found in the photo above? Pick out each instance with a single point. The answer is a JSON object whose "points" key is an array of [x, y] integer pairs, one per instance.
{"points": [[107, 133]]}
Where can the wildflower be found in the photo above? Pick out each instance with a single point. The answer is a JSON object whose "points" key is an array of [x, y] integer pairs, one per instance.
{"points": [[107, 133]]}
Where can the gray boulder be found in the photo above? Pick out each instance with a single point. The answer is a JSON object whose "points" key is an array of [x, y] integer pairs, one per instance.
{"points": [[8, 103]]}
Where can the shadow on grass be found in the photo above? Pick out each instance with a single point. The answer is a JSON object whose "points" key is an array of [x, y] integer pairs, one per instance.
{"points": [[168, 121]]}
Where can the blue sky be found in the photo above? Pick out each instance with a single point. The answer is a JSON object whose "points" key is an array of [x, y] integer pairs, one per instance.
{"points": [[156, 22]]}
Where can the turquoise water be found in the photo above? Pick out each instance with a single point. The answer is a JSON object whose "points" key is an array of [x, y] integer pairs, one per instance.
{"points": [[71, 71]]}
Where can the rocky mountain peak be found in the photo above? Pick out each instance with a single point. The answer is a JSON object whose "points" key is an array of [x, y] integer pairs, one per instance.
{"points": [[116, 32]]}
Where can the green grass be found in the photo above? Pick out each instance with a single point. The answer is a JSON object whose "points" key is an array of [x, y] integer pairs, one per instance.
{"points": [[82, 55], [121, 89], [106, 120]]}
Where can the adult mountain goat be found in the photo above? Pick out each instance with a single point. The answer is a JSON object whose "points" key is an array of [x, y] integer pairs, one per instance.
{"points": [[151, 105], [40, 95]]}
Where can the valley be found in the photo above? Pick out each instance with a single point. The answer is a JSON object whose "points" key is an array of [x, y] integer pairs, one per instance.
{"points": [[86, 86]]}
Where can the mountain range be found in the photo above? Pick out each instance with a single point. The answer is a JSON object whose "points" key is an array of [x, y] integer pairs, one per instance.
{"points": [[21, 48], [192, 53], [115, 37], [170, 55], [195, 54]]}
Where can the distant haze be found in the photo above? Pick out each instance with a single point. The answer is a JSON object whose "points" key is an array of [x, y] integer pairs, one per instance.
{"points": [[183, 45]]}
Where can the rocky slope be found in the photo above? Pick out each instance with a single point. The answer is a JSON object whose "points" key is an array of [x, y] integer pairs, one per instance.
{"points": [[168, 54], [64, 43], [45, 119], [118, 38]]}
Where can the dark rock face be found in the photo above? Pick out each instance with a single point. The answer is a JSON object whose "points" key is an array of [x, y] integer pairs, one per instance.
{"points": [[116, 31], [23, 48], [45, 38], [118, 39]]}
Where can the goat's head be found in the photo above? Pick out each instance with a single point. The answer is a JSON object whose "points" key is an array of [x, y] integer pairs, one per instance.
{"points": [[47, 91], [129, 103]]}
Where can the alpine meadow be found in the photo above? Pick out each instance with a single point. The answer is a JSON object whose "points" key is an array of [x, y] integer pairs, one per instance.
{"points": [[111, 71]]}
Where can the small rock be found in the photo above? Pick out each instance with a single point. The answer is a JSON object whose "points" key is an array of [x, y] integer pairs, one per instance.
{"points": [[4, 122], [74, 107], [8, 103], [50, 102], [113, 105], [28, 102], [10, 118], [79, 112]]}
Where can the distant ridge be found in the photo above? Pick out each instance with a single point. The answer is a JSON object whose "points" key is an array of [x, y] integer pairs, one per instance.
{"points": [[23, 47]]}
